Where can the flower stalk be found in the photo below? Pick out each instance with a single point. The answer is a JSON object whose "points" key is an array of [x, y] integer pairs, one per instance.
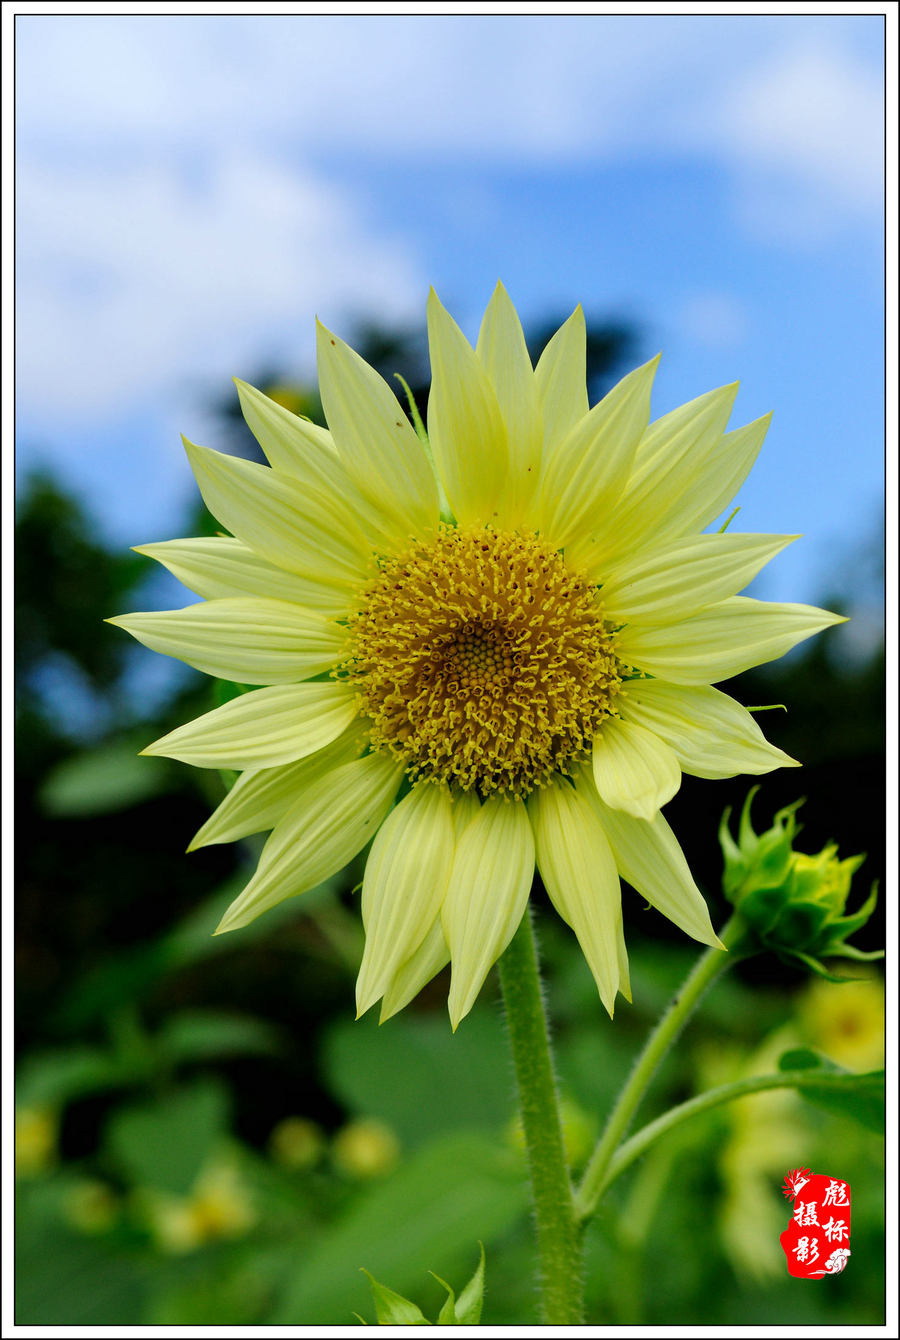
{"points": [[704, 973], [558, 1233]]}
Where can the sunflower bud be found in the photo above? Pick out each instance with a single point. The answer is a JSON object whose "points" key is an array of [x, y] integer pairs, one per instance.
{"points": [[793, 903]]}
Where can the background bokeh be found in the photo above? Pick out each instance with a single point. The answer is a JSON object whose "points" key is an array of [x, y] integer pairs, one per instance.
{"points": [[205, 1134]]}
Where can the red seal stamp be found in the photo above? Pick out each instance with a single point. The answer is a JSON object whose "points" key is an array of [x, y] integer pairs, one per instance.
{"points": [[817, 1240]]}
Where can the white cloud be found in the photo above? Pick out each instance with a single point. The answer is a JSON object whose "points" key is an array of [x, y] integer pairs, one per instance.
{"points": [[791, 94], [171, 224], [137, 279], [815, 113]]}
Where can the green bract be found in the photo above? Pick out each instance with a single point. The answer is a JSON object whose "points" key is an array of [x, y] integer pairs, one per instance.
{"points": [[793, 903], [392, 1309]]}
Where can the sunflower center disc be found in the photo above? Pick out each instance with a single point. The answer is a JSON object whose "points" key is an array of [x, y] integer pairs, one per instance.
{"points": [[483, 661]]}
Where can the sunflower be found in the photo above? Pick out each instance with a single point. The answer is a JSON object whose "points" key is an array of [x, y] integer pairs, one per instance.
{"points": [[483, 648]]}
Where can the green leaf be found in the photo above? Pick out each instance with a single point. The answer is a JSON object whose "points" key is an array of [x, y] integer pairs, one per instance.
{"points": [[55, 1078], [392, 1309], [801, 1058], [860, 1097], [64, 1279], [226, 690], [103, 781], [394, 1073], [204, 1034], [428, 1212], [164, 1143]]}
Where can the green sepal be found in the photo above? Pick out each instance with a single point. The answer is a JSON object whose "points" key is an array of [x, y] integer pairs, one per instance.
{"points": [[813, 964], [850, 951], [447, 1315], [800, 923], [793, 902], [761, 908], [392, 1309], [446, 512], [850, 925], [421, 432], [471, 1300]]}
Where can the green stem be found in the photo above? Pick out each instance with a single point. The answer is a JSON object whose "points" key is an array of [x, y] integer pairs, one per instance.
{"points": [[705, 971], [727, 1093], [558, 1235]]}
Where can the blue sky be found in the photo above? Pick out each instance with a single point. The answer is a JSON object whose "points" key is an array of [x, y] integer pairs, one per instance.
{"points": [[191, 192]]}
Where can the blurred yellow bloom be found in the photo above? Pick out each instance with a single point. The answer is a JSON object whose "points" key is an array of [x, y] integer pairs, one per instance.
{"points": [[846, 1021], [36, 1134], [219, 1206], [291, 398], [91, 1206], [365, 1148], [513, 627], [296, 1143], [765, 1129]]}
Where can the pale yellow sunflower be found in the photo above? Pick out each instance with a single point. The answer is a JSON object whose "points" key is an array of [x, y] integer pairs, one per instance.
{"points": [[486, 650]]}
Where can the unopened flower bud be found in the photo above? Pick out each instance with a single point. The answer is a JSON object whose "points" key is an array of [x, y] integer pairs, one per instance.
{"points": [[791, 901]]}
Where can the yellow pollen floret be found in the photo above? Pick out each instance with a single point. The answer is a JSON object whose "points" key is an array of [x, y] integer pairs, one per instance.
{"points": [[483, 661]]}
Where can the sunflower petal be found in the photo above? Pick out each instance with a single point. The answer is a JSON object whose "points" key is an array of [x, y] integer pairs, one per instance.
{"points": [[585, 476], [681, 577], [722, 640], [634, 770], [403, 886], [649, 857], [487, 895], [318, 835], [725, 467], [465, 426], [577, 866], [561, 381], [217, 567], [502, 350], [261, 796], [374, 439], [669, 463], [711, 734], [431, 955], [250, 640], [296, 446], [309, 533], [263, 729]]}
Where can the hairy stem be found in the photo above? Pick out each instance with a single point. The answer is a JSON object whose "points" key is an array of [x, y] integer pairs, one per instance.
{"points": [[727, 1093], [558, 1234], [705, 971]]}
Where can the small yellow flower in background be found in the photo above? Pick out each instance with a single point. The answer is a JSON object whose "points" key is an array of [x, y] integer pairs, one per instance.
{"points": [[297, 1143], [37, 1129], [846, 1022], [91, 1206], [365, 1148], [765, 1130], [518, 679], [292, 398], [219, 1206]]}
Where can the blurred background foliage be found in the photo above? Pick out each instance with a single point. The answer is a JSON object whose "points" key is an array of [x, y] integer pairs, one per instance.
{"points": [[204, 1133]]}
